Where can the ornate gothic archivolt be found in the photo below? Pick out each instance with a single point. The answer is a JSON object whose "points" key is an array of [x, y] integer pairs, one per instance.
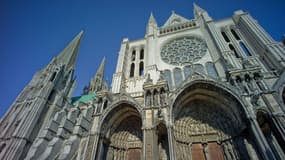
{"points": [[208, 125], [202, 121], [122, 134], [183, 51], [126, 140]]}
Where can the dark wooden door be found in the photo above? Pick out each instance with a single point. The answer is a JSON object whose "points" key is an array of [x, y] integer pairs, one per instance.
{"points": [[215, 151], [134, 154], [197, 152]]}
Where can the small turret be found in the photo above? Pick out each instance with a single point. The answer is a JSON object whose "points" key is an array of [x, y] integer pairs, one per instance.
{"points": [[151, 26], [200, 12]]}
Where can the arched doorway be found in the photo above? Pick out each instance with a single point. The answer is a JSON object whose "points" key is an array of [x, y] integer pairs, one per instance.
{"points": [[122, 135], [209, 124]]}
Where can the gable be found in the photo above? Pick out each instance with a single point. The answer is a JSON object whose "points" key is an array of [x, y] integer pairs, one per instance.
{"points": [[175, 19]]}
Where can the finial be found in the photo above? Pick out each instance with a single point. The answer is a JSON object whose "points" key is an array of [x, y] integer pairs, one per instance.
{"points": [[197, 8], [151, 19]]}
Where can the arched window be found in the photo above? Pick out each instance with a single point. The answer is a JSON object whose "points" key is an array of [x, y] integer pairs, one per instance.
{"points": [[148, 100], [162, 97], [141, 69], [245, 50], [105, 104], [52, 77], [177, 76], [167, 76], [233, 49], [132, 71], [99, 105], [225, 37], [133, 55], [155, 98], [235, 34], [187, 71], [51, 95], [199, 68], [141, 54], [211, 70]]}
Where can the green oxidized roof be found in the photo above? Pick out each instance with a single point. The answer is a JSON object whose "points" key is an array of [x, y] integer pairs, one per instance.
{"points": [[84, 98]]}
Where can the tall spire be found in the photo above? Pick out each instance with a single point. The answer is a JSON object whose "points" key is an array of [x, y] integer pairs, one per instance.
{"points": [[100, 70], [96, 82], [69, 54]]}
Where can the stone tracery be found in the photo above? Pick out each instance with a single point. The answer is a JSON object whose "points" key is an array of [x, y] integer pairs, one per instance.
{"points": [[183, 51]]}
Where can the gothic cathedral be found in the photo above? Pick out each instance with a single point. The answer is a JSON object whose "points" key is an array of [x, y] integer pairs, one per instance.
{"points": [[191, 89]]}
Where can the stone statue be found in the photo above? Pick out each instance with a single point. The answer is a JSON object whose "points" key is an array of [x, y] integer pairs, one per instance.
{"points": [[148, 99]]}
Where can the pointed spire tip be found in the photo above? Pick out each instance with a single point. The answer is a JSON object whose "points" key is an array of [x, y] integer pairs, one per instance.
{"points": [[151, 18], [69, 54], [81, 33], [197, 8]]}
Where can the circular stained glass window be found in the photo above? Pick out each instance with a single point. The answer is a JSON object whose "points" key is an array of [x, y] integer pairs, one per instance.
{"points": [[183, 51]]}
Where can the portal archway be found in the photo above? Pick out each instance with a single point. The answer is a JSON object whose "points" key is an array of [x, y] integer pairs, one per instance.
{"points": [[121, 134], [209, 124]]}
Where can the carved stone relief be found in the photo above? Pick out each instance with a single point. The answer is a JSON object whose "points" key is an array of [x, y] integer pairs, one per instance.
{"points": [[199, 123]]}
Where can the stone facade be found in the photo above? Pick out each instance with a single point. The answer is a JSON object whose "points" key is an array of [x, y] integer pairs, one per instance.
{"points": [[190, 89]]}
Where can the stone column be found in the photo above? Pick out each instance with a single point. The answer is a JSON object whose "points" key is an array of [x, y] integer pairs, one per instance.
{"points": [[97, 146], [170, 142], [150, 142], [150, 137], [137, 61]]}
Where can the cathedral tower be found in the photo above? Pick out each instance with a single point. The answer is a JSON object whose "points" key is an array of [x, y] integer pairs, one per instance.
{"points": [[48, 91]]}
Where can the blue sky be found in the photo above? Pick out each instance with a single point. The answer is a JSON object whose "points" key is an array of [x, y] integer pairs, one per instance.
{"points": [[32, 32]]}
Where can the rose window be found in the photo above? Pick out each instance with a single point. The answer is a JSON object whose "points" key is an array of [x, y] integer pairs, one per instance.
{"points": [[183, 51]]}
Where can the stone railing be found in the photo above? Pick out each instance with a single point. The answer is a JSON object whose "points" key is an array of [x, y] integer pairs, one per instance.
{"points": [[178, 27]]}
